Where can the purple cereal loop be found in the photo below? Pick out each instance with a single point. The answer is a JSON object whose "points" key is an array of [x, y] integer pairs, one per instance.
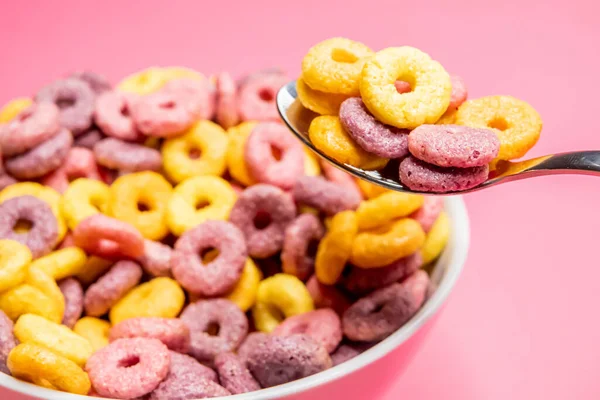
{"points": [[173, 332], [340, 177], [204, 318], [7, 341], [75, 99], [323, 326], [262, 212], [370, 134], [459, 92], [88, 138], [379, 314], [128, 368], [219, 275], [130, 157], [429, 211], [226, 107], [156, 259], [418, 175], [113, 116], [256, 101], [348, 351], [361, 280], [329, 197], [42, 159], [453, 145], [73, 293], [418, 284], [97, 82], [281, 359], [42, 235], [234, 375], [263, 165], [251, 341], [111, 287], [182, 365], [299, 234], [30, 128]]}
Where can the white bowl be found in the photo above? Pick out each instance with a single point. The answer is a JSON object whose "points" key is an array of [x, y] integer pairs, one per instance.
{"points": [[403, 343]]}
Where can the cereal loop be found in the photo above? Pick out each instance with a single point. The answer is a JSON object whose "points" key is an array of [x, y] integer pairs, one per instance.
{"points": [[234, 375], [159, 297], [62, 263], [156, 259], [326, 296], [113, 117], [280, 295], [130, 157], [319, 102], [244, 292], [429, 211], [430, 83], [7, 341], [436, 238], [334, 66], [13, 108], [108, 237], [94, 330], [387, 243], [199, 151], [327, 134], [385, 208], [198, 199], [141, 199], [324, 195], [296, 255], [143, 82], [42, 367], [323, 326], [256, 98], [226, 112], [14, 260], [236, 163], [29, 128], [336, 247], [97, 82], [73, 294], [84, 198], [28, 299], [80, 163], [173, 332]]}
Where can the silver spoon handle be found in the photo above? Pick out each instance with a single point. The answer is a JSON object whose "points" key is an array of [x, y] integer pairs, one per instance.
{"points": [[576, 163]]}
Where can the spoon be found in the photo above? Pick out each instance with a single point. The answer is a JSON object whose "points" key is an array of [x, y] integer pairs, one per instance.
{"points": [[298, 119]]}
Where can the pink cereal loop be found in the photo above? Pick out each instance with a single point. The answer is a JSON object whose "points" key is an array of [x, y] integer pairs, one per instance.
{"points": [[109, 238], [340, 177], [156, 259], [73, 294], [226, 112], [7, 340], [112, 115], [80, 163], [323, 326], [173, 332], [256, 100], [33, 126], [429, 211]]}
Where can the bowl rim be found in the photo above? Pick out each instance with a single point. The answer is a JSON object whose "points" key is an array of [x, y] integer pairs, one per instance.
{"points": [[459, 240]]}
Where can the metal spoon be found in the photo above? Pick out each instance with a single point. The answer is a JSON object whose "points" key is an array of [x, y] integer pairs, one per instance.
{"points": [[298, 119]]}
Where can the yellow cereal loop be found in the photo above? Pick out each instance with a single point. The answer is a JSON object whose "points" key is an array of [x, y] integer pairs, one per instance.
{"points": [[198, 199], [279, 297], [370, 190], [236, 162], [244, 292], [449, 118], [93, 268], [387, 207], [384, 245], [14, 108], [143, 82], [334, 66], [84, 198], [14, 260], [335, 248], [517, 124], [26, 299], [34, 329], [62, 263], [437, 237], [170, 73], [319, 102], [94, 330], [311, 163], [45, 284], [160, 297], [44, 193], [327, 134], [141, 199], [36, 364], [201, 150], [430, 83]]}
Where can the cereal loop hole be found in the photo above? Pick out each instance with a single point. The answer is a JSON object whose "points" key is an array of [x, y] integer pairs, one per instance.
{"points": [[209, 254], [201, 203], [22, 226], [194, 153], [143, 207], [266, 94], [129, 361], [213, 329], [343, 56], [276, 152], [262, 220], [167, 104], [498, 123], [65, 102]]}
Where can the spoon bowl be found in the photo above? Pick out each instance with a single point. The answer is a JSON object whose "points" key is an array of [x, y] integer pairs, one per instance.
{"points": [[298, 119]]}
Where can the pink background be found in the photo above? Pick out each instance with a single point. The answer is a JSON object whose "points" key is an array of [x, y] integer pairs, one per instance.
{"points": [[522, 322]]}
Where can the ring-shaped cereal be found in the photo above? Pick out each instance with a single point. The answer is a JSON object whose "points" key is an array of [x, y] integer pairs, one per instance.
{"points": [[28, 299], [336, 247], [83, 198], [62, 263], [8, 342], [256, 97], [243, 293], [215, 277], [199, 151], [80, 163], [198, 199], [143, 82], [517, 124], [47, 194], [108, 237], [43, 367], [319, 102], [173, 332], [29, 128], [72, 292], [431, 87], [14, 260], [387, 207], [236, 162], [370, 190], [14, 108], [386, 244], [327, 134], [323, 326], [48, 286], [94, 267], [436, 238], [334, 66], [159, 297], [280, 295], [95, 330], [296, 255], [312, 166], [141, 199], [124, 156]]}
